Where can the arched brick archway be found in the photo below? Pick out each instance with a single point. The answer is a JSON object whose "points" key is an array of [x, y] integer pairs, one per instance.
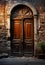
{"points": [[34, 19]]}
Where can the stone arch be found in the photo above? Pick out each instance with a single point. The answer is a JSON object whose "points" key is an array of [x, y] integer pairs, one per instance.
{"points": [[35, 19], [26, 4]]}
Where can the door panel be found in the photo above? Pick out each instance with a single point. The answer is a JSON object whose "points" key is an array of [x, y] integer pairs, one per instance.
{"points": [[28, 36], [17, 29], [27, 29], [17, 37]]}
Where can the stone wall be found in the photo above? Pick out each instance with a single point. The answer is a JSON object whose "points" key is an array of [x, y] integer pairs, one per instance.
{"points": [[5, 21], [42, 27]]}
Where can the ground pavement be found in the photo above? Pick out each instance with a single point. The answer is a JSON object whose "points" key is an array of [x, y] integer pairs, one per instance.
{"points": [[21, 61]]}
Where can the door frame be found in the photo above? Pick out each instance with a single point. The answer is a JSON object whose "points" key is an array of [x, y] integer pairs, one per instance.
{"points": [[36, 20]]}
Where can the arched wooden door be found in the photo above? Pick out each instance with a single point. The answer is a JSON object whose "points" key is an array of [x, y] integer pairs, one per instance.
{"points": [[22, 35]]}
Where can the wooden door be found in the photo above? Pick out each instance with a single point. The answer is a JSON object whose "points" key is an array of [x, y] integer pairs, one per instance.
{"points": [[28, 36], [17, 37], [23, 37]]}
